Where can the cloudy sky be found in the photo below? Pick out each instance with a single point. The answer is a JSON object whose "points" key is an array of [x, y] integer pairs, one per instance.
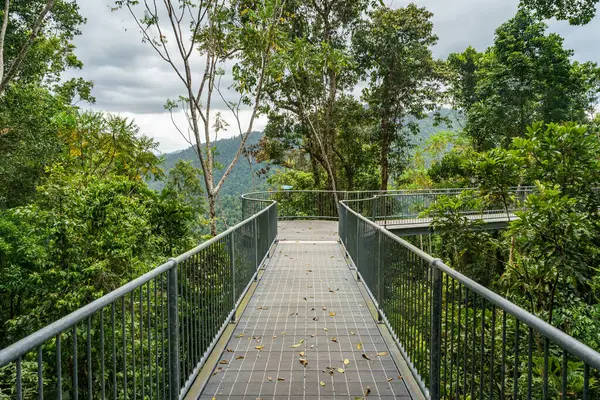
{"points": [[131, 80]]}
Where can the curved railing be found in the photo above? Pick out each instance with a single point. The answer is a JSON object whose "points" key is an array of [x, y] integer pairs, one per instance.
{"points": [[391, 207], [460, 339], [150, 337]]}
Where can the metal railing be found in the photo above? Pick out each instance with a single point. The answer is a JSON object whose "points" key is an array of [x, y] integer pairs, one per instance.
{"points": [[460, 339], [406, 208], [150, 337], [389, 207]]}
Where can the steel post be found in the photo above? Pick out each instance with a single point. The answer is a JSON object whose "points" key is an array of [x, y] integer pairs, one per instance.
{"points": [[173, 329], [436, 332]]}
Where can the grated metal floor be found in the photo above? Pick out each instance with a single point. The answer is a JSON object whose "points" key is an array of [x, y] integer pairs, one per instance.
{"points": [[306, 307]]}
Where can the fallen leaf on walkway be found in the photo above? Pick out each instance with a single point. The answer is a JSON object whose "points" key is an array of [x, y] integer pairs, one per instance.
{"points": [[281, 379], [382, 353], [359, 346], [315, 318], [331, 313], [301, 354], [324, 308], [312, 346], [239, 336], [303, 361], [390, 379], [325, 329], [352, 333], [334, 340], [239, 357], [346, 361], [322, 383], [256, 337], [223, 362], [259, 348], [341, 370], [230, 350], [305, 299], [367, 391], [269, 378], [366, 357]]}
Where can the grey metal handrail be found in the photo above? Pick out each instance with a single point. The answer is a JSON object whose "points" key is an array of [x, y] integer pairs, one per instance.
{"points": [[421, 300], [392, 207], [198, 291]]}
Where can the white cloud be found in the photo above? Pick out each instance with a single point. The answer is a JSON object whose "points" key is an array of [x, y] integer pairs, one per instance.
{"points": [[131, 80]]}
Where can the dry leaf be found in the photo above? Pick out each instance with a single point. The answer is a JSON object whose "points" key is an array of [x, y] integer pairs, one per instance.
{"points": [[305, 299], [390, 379], [230, 350], [301, 354], [281, 379], [382, 353], [303, 361], [334, 340], [352, 333], [368, 391], [331, 314], [322, 383], [315, 318], [325, 329], [239, 336], [324, 308], [269, 378], [259, 348], [346, 361], [239, 357], [366, 357], [359, 346], [223, 362], [341, 370], [312, 346]]}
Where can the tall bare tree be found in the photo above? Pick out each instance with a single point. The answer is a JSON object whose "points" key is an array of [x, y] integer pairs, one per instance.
{"points": [[202, 42]]}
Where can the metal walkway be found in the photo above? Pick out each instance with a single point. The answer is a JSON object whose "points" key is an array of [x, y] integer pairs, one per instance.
{"points": [[307, 333]]}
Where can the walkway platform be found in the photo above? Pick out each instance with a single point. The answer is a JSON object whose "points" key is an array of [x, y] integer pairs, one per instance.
{"points": [[307, 332]]}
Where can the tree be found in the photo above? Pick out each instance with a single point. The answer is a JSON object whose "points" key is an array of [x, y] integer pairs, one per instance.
{"points": [[577, 12], [239, 35], [35, 44], [394, 51], [526, 76], [317, 71]]}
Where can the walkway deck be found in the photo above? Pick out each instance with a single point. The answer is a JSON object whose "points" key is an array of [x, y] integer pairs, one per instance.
{"points": [[309, 307]]}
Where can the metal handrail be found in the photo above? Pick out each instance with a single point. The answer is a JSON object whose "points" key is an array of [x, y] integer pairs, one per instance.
{"points": [[221, 249], [367, 237]]}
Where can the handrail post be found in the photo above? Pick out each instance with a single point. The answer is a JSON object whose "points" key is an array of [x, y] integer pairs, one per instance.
{"points": [[356, 262], [232, 266], [256, 247], [173, 329], [379, 280], [436, 332]]}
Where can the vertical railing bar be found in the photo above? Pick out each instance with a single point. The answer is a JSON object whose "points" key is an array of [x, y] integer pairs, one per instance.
{"points": [[563, 394], [173, 327], [102, 369], [493, 352], [114, 349], [124, 325], [436, 331], [529, 363], [19, 380], [40, 367], [516, 364], [545, 377], [89, 356], [586, 381], [75, 376], [58, 369]]}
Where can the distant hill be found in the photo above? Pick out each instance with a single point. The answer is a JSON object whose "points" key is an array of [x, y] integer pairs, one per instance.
{"points": [[243, 179]]}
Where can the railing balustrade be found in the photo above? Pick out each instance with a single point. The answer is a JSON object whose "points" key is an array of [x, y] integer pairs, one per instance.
{"points": [[150, 337], [460, 339]]}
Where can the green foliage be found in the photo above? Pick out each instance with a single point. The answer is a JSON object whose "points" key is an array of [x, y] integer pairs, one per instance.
{"points": [[526, 76], [578, 12], [394, 54]]}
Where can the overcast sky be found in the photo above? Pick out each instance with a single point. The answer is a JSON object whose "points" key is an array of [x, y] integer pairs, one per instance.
{"points": [[130, 79]]}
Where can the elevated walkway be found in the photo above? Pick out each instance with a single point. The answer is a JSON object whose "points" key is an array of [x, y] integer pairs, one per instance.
{"points": [[305, 318]]}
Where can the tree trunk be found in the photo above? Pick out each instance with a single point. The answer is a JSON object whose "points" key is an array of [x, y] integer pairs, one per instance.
{"points": [[212, 213]]}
